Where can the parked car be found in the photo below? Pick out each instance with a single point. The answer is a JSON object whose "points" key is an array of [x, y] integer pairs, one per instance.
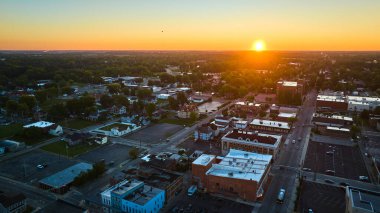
{"points": [[41, 166], [363, 178], [293, 141], [281, 196]]}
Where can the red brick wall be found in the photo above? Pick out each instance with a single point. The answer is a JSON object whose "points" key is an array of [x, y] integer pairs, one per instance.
{"points": [[337, 106], [245, 189]]}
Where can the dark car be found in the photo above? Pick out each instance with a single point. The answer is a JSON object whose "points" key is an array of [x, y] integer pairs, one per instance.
{"points": [[344, 184], [329, 181]]}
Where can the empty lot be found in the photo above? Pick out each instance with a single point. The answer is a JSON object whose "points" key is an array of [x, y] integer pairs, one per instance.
{"points": [[155, 134], [346, 161], [117, 153]]}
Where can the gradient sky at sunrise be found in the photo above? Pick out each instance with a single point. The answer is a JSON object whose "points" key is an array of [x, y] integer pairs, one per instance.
{"points": [[189, 24]]}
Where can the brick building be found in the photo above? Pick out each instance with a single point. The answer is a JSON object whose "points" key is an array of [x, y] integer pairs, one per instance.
{"points": [[251, 142], [270, 126], [331, 103], [239, 174]]}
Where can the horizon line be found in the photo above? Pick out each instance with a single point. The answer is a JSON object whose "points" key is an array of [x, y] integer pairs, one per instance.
{"points": [[172, 50]]}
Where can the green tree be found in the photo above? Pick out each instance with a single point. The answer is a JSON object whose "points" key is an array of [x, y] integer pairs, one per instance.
{"points": [[144, 93], [114, 88], [58, 111], [133, 153], [150, 108], [106, 101], [28, 100], [41, 95], [193, 116], [181, 98], [11, 107], [173, 103]]}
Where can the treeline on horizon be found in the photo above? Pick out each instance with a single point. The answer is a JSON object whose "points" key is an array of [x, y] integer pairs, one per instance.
{"points": [[238, 69]]}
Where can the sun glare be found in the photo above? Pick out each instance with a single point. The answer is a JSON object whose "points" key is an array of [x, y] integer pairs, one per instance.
{"points": [[258, 46]]}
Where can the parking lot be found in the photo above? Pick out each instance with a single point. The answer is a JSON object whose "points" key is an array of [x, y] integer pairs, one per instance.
{"points": [[206, 203], [116, 153], [337, 160], [155, 134], [24, 167], [321, 198]]}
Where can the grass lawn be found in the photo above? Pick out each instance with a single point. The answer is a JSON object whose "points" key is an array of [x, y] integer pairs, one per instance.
{"points": [[60, 148], [77, 123], [10, 130], [31, 141], [119, 125], [178, 121]]}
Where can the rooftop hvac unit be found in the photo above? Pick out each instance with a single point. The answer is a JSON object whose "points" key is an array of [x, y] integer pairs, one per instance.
{"points": [[230, 174]]}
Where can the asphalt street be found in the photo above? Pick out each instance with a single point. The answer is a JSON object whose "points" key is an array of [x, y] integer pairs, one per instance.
{"points": [[290, 156]]}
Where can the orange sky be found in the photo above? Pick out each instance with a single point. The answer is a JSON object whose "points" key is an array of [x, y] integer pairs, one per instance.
{"points": [[189, 25]]}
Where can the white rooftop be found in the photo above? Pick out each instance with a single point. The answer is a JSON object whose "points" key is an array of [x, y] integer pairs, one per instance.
{"points": [[287, 115], [330, 98], [269, 123], [338, 117], [241, 122], [288, 83], [363, 99], [40, 124], [204, 159], [337, 129], [241, 165]]}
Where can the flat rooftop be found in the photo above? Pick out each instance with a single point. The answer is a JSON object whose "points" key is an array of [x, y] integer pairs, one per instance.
{"points": [[204, 159], [66, 176], [332, 98], [253, 137], [364, 199], [269, 123], [287, 115], [40, 124], [337, 117], [337, 129], [288, 83], [141, 198], [363, 99], [243, 165]]}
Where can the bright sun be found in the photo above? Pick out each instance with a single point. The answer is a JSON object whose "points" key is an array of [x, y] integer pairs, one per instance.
{"points": [[258, 46]]}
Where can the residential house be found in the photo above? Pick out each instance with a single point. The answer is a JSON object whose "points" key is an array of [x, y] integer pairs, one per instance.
{"points": [[77, 138], [186, 110], [206, 132], [47, 127], [118, 110]]}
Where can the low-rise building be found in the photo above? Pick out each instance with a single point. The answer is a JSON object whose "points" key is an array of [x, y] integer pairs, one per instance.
{"points": [[361, 200], [206, 132], [48, 127], [171, 182], [11, 146], [133, 196], [336, 131], [360, 103], [286, 117], [239, 174], [186, 110], [331, 103], [251, 142], [13, 203], [77, 138], [270, 126], [241, 124], [118, 110], [60, 182], [332, 122]]}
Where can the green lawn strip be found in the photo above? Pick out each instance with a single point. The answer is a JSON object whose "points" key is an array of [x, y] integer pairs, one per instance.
{"points": [[60, 148], [31, 141], [77, 123], [10, 130], [187, 122], [109, 127]]}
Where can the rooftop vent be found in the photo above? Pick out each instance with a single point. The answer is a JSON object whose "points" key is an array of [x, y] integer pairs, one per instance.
{"points": [[230, 174]]}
